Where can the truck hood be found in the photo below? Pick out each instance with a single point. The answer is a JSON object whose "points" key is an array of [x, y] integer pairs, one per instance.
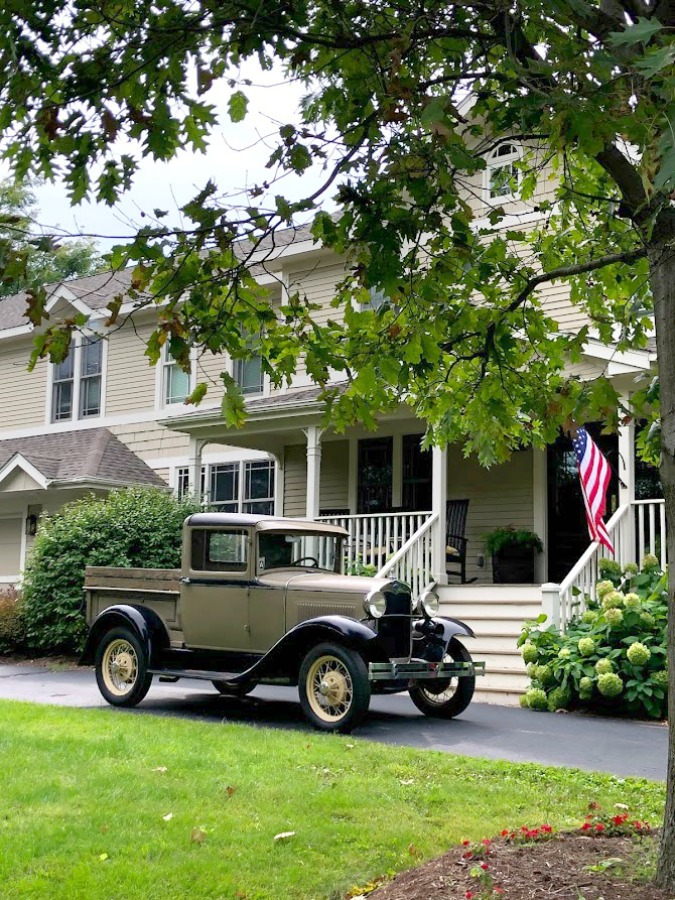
{"points": [[324, 581]]}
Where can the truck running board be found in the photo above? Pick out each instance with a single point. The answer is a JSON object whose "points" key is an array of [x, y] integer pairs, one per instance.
{"points": [[172, 675]]}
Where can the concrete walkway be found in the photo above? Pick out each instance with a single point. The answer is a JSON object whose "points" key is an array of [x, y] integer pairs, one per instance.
{"points": [[620, 747]]}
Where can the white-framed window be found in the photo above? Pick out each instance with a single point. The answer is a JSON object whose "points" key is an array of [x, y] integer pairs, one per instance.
{"points": [[248, 373], [245, 486], [259, 487], [176, 383], [76, 390], [502, 175]]}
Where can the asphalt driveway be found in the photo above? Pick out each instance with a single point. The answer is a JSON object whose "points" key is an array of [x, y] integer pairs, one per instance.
{"points": [[622, 748]]}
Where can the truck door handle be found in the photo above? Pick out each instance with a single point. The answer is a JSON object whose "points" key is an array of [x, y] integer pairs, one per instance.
{"points": [[185, 581]]}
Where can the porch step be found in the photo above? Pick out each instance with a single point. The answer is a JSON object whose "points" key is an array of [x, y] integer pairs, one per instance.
{"points": [[479, 609], [498, 697], [501, 593]]}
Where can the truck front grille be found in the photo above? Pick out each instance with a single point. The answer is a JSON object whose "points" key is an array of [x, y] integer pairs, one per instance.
{"points": [[395, 627]]}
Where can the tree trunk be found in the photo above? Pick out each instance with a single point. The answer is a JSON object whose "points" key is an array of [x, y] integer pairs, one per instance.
{"points": [[662, 268]]}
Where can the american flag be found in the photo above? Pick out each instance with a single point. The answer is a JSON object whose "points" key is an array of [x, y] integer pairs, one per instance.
{"points": [[594, 474]]}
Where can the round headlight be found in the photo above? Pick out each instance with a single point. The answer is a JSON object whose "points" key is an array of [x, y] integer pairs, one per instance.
{"points": [[375, 604], [429, 603]]}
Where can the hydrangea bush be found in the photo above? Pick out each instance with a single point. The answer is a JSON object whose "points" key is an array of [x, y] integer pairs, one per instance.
{"points": [[613, 655]]}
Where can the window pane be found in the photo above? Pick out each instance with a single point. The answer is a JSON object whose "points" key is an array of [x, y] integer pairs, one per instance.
{"points": [[91, 356], [63, 401], [64, 371], [249, 375], [176, 384], [259, 481], [182, 481], [501, 178], [220, 551], [90, 396], [225, 486], [259, 507]]}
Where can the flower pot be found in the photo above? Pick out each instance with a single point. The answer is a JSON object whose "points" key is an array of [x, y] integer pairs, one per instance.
{"points": [[513, 565]]}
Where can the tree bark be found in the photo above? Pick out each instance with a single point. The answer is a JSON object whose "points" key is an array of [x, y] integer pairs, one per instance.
{"points": [[662, 268]]}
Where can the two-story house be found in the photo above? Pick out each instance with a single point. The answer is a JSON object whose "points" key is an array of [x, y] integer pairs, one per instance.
{"points": [[104, 418]]}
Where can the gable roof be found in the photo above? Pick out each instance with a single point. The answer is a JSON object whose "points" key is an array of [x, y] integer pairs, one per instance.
{"points": [[71, 458]]}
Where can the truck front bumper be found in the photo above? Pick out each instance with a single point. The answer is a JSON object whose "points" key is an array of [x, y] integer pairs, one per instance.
{"points": [[419, 669]]}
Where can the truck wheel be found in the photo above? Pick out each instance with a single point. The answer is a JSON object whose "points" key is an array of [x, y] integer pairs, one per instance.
{"points": [[122, 668], [334, 688], [445, 698], [233, 690]]}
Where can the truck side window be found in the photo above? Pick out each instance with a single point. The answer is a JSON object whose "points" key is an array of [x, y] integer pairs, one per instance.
{"points": [[220, 551]]}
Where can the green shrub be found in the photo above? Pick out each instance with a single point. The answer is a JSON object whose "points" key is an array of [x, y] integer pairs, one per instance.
{"points": [[139, 526], [536, 698], [12, 627], [613, 655]]}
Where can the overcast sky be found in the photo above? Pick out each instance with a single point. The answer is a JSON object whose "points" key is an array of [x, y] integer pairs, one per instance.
{"points": [[235, 160]]}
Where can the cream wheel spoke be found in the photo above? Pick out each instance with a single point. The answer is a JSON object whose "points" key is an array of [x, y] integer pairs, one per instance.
{"points": [[329, 688]]}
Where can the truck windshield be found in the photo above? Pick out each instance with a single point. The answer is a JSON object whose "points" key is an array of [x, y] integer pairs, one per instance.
{"points": [[278, 550]]}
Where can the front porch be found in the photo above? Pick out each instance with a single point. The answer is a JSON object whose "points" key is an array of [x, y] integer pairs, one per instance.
{"points": [[392, 498]]}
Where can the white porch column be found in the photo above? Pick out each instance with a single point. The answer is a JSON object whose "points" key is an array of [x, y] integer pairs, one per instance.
{"points": [[626, 467], [540, 510], [279, 463], [439, 497], [313, 434], [195, 467]]}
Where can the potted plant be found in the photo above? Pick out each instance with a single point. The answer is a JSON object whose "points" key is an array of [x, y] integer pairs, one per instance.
{"points": [[512, 551]]}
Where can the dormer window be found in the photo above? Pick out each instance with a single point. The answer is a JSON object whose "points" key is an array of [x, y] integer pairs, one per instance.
{"points": [[502, 173]]}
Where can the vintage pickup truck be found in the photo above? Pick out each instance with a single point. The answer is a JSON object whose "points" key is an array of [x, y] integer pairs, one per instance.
{"points": [[262, 600]]}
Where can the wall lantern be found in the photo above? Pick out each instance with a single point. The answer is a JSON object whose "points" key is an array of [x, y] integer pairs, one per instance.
{"points": [[31, 525]]}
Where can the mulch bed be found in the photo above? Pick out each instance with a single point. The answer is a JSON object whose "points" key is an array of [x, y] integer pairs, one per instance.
{"points": [[554, 869]]}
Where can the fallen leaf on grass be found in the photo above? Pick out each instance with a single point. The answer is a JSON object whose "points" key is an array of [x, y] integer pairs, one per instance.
{"points": [[198, 835], [407, 781], [103, 856], [413, 851], [284, 835], [160, 769], [229, 790], [168, 817]]}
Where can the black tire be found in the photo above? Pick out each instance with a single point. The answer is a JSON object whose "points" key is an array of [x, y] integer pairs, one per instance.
{"points": [[232, 690], [447, 698], [334, 688], [122, 667]]}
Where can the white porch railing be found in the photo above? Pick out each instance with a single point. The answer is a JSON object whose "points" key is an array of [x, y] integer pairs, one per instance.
{"points": [[635, 529], [415, 562], [374, 539]]}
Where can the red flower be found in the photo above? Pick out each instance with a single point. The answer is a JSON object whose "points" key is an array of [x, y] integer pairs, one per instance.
{"points": [[619, 820], [484, 866], [486, 842], [467, 855], [498, 890], [599, 827], [466, 843], [524, 829], [585, 826], [505, 832], [468, 895], [546, 829]]}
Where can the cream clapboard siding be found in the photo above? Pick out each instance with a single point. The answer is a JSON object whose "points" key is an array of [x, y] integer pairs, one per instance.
{"points": [[151, 440], [10, 546], [23, 394], [295, 480], [500, 496], [334, 477], [130, 384]]}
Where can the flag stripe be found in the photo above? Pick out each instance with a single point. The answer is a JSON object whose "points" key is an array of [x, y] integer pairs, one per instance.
{"points": [[594, 476]]}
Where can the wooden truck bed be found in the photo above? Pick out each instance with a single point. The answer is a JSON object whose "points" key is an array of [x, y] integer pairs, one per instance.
{"points": [[158, 589]]}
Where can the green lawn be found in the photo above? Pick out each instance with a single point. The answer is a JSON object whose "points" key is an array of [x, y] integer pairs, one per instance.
{"points": [[84, 795]]}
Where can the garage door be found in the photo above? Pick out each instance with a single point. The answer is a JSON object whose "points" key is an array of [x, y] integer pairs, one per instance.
{"points": [[10, 546]]}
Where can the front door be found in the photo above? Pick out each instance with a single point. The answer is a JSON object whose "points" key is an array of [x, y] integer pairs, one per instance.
{"points": [[215, 596], [374, 491], [567, 528]]}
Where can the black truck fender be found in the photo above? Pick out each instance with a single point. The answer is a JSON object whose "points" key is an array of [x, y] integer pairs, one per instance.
{"points": [[284, 658], [145, 623]]}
